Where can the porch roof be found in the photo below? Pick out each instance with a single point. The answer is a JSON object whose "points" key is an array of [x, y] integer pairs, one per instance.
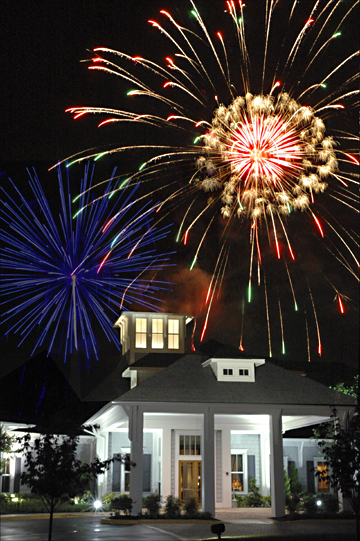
{"points": [[186, 380]]}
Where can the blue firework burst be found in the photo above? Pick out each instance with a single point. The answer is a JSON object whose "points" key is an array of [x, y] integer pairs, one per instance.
{"points": [[67, 277]]}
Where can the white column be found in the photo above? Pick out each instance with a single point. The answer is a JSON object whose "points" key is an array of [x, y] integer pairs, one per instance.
{"points": [[264, 464], [345, 505], [136, 422], [277, 466], [208, 466], [166, 462]]}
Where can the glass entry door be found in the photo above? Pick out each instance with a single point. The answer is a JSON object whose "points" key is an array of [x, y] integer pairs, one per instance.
{"points": [[190, 480]]}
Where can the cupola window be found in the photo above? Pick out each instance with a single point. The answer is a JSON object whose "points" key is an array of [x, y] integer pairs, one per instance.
{"points": [[173, 333], [140, 332], [157, 333]]}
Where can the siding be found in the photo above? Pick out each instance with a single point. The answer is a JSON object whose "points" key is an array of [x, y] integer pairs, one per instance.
{"points": [[251, 443]]}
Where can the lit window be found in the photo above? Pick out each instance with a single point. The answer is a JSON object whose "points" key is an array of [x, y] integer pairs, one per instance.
{"points": [[173, 334], [190, 445], [157, 333], [227, 371], [237, 473], [140, 332], [323, 484], [243, 372]]}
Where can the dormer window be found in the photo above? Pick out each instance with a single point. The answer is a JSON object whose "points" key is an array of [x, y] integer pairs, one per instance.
{"points": [[173, 333], [157, 333], [229, 370], [140, 332]]}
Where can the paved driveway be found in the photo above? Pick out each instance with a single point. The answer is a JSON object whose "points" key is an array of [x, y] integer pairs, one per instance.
{"points": [[80, 529], [237, 522]]}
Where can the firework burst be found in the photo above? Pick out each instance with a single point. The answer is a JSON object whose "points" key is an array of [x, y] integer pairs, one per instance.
{"points": [[263, 146], [67, 277]]}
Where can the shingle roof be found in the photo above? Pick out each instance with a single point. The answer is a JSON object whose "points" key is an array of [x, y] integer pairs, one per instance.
{"points": [[156, 360], [186, 380]]}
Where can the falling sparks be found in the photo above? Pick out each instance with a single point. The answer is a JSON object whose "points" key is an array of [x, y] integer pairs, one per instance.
{"points": [[254, 152]]}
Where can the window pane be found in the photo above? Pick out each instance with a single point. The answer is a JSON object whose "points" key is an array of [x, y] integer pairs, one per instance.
{"points": [[192, 448], [173, 326], [173, 334], [237, 482], [157, 326], [198, 447], [233, 463], [140, 332], [182, 451], [187, 445], [323, 484], [239, 463], [140, 323], [157, 333]]}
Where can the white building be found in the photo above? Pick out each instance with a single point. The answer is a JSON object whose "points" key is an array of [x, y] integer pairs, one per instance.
{"points": [[203, 423]]}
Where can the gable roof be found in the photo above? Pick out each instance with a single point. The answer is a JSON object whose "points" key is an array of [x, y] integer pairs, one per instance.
{"points": [[186, 380]]}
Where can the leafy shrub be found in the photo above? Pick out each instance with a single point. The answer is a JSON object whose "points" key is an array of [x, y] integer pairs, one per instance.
{"points": [[292, 502], [295, 486], [108, 498], [287, 483], [329, 503], [191, 508], [152, 504], [206, 515], [172, 507], [309, 503], [122, 503], [254, 498]]}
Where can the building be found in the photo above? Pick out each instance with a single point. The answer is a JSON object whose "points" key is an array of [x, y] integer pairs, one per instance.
{"points": [[203, 423]]}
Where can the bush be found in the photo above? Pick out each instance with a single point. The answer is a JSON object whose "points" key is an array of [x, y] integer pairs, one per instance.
{"points": [[152, 504], [172, 507], [191, 508], [329, 503], [267, 501], [309, 503], [254, 499], [295, 486], [292, 502], [206, 515], [122, 503], [108, 498]]}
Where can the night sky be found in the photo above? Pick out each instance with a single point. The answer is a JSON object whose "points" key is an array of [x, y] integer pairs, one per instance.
{"points": [[42, 52]]}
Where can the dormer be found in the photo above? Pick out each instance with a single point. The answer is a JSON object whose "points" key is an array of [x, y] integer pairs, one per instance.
{"points": [[142, 333], [238, 370]]}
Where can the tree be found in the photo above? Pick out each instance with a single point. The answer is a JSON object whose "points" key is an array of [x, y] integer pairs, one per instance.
{"points": [[53, 470], [351, 390], [343, 457]]}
